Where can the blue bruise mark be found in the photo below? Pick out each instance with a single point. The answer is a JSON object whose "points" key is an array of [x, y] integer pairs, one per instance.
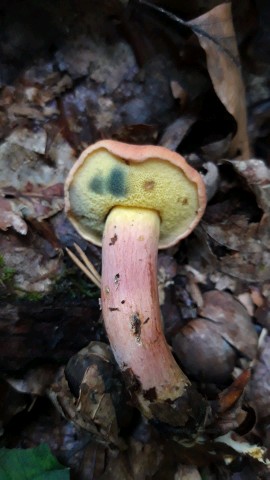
{"points": [[97, 185], [116, 184]]}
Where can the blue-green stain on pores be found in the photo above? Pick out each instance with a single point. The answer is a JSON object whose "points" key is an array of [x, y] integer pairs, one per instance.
{"points": [[97, 184], [116, 183]]}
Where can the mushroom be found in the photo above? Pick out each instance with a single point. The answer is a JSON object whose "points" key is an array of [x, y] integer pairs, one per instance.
{"points": [[132, 200]]}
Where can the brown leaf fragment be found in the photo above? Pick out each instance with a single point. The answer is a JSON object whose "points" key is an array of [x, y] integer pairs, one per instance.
{"points": [[137, 133], [95, 404], [245, 256], [144, 458], [228, 413], [257, 176], [232, 321], [34, 269], [179, 93], [46, 230], [32, 140], [216, 35], [228, 397], [33, 203], [8, 218], [34, 381], [176, 131], [258, 391], [203, 352]]}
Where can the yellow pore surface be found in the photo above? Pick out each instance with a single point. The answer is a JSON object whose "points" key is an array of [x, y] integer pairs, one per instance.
{"points": [[105, 181]]}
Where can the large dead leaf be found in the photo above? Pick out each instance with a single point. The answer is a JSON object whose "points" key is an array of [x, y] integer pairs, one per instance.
{"points": [[216, 35], [246, 242], [257, 176], [32, 171], [223, 330]]}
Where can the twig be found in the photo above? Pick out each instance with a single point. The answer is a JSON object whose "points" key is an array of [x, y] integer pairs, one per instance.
{"points": [[85, 265]]}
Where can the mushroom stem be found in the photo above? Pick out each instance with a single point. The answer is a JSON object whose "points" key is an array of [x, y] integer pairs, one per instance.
{"points": [[131, 308]]}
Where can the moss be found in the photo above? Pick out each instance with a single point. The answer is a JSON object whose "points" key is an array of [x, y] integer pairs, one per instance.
{"points": [[6, 273], [7, 287], [2, 261], [74, 284], [33, 296], [71, 284]]}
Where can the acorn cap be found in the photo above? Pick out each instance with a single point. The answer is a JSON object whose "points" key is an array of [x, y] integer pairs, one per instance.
{"points": [[110, 174]]}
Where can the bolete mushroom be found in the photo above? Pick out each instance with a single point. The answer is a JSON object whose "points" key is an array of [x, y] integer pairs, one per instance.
{"points": [[132, 200]]}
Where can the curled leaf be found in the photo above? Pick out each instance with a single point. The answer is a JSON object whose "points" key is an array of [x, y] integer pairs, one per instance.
{"points": [[216, 35]]}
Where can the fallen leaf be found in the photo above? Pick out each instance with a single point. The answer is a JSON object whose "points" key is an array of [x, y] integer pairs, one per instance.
{"points": [[8, 218], [216, 35], [213, 359], [232, 321], [176, 131], [228, 397]]}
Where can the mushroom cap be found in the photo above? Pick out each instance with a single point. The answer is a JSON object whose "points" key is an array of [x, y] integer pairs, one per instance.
{"points": [[110, 174]]}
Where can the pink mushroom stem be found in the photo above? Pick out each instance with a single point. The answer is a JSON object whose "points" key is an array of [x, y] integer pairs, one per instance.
{"points": [[130, 306]]}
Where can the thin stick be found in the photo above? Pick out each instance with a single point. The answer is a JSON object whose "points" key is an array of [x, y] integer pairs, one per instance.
{"points": [[85, 270], [87, 263]]}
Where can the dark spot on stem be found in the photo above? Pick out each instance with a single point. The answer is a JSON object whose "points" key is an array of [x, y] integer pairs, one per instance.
{"points": [[114, 309], [146, 321], [117, 279], [123, 301], [135, 323], [113, 240]]}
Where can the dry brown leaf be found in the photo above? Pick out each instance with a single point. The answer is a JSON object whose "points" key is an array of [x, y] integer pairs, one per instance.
{"points": [[8, 218], [246, 258], [247, 254], [176, 131], [232, 320], [228, 397], [34, 269], [216, 35]]}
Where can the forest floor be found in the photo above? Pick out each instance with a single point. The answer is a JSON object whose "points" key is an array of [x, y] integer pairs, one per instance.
{"points": [[194, 78]]}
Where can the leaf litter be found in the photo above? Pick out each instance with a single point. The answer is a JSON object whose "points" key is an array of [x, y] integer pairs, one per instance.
{"points": [[140, 80]]}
